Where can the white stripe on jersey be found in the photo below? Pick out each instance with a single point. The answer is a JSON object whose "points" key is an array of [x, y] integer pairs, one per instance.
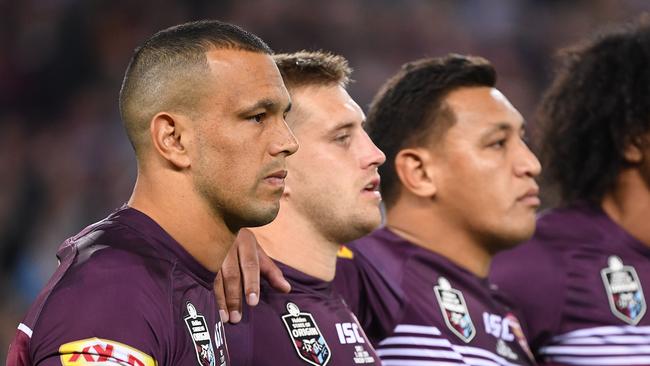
{"points": [[606, 330], [595, 351], [601, 346], [602, 361], [415, 341], [474, 351], [430, 337], [418, 352], [613, 339], [416, 363], [25, 329], [416, 329], [473, 361]]}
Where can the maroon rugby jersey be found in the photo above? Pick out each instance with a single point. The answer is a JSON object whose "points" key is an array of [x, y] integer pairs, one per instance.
{"points": [[421, 309], [309, 326], [580, 286], [125, 293]]}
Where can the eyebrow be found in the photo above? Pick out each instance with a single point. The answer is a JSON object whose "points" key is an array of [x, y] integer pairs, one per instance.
{"points": [[501, 127], [265, 104], [341, 126], [504, 126]]}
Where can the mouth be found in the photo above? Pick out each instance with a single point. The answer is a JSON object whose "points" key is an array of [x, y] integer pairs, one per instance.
{"points": [[372, 188], [531, 197], [276, 178]]}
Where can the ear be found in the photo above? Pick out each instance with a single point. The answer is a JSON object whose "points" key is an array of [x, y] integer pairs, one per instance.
{"points": [[633, 152], [415, 171], [168, 133]]}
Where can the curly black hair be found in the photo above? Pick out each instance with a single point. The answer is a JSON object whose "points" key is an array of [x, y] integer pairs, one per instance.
{"points": [[597, 105], [409, 108]]}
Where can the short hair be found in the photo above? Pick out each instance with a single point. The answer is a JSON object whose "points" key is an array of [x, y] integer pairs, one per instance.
{"points": [[308, 68], [167, 70], [409, 108], [598, 103]]}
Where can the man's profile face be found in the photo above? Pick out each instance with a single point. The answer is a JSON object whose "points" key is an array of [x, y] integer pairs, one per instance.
{"points": [[241, 138], [486, 180], [333, 179]]}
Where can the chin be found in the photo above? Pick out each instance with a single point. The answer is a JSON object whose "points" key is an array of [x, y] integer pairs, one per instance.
{"points": [[258, 216], [516, 237], [363, 227]]}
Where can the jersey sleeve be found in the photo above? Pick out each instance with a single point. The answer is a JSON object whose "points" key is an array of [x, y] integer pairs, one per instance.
{"points": [[106, 311], [534, 280]]}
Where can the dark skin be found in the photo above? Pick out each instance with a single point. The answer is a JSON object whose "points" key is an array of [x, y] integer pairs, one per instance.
{"points": [[240, 276]]}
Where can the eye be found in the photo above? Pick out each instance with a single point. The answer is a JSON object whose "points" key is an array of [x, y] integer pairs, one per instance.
{"points": [[498, 144], [343, 139], [257, 118]]}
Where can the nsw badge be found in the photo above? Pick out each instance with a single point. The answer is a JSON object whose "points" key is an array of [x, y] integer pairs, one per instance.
{"points": [[307, 339], [454, 310], [200, 334], [624, 291]]}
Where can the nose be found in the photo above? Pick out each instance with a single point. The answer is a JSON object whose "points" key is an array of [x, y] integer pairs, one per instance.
{"points": [[528, 165], [373, 156], [284, 141]]}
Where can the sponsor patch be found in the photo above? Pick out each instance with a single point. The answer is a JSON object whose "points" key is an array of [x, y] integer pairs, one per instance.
{"points": [[200, 334], [624, 291], [97, 351], [454, 310], [307, 339]]}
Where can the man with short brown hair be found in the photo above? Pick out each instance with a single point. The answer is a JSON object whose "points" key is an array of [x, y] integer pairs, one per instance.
{"points": [[331, 197]]}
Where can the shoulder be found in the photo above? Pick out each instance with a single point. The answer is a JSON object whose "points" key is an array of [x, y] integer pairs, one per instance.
{"points": [[112, 289]]}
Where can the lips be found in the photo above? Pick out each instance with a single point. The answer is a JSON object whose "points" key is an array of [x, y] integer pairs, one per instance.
{"points": [[280, 174], [276, 178], [373, 185], [531, 197]]}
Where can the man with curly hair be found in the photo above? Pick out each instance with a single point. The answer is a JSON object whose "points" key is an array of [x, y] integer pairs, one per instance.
{"points": [[580, 280]]}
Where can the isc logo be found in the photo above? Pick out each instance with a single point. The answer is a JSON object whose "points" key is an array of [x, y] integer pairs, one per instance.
{"points": [[96, 351], [349, 333], [498, 327]]}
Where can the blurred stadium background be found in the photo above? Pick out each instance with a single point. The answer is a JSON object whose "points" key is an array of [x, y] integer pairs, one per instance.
{"points": [[65, 161]]}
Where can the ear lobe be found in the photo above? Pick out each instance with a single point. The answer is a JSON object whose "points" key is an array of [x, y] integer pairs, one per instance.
{"points": [[414, 169], [169, 134]]}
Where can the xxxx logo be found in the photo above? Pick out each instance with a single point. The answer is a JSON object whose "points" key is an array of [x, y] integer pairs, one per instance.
{"points": [[97, 351]]}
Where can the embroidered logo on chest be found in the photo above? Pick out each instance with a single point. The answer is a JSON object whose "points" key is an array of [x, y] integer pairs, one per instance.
{"points": [[624, 291], [200, 335], [454, 310], [307, 339]]}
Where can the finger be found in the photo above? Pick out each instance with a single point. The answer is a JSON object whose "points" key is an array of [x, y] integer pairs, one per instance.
{"points": [[248, 250], [221, 298], [272, 273], [232, 286]]}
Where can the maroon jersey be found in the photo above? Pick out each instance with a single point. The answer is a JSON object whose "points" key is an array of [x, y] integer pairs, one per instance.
{"points": [[422, 309], [125, 293], [309, 326], [580, 285]]}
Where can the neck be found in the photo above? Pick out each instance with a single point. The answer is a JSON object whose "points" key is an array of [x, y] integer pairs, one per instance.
{"points": [[628, 204], [185, 217], [418, 223], [295, 241]]}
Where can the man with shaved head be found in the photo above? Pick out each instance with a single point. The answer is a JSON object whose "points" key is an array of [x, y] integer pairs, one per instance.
{"points": [[203, 104]]}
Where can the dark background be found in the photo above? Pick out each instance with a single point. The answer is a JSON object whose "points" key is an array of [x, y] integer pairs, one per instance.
{"points": [[65, 161]]}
